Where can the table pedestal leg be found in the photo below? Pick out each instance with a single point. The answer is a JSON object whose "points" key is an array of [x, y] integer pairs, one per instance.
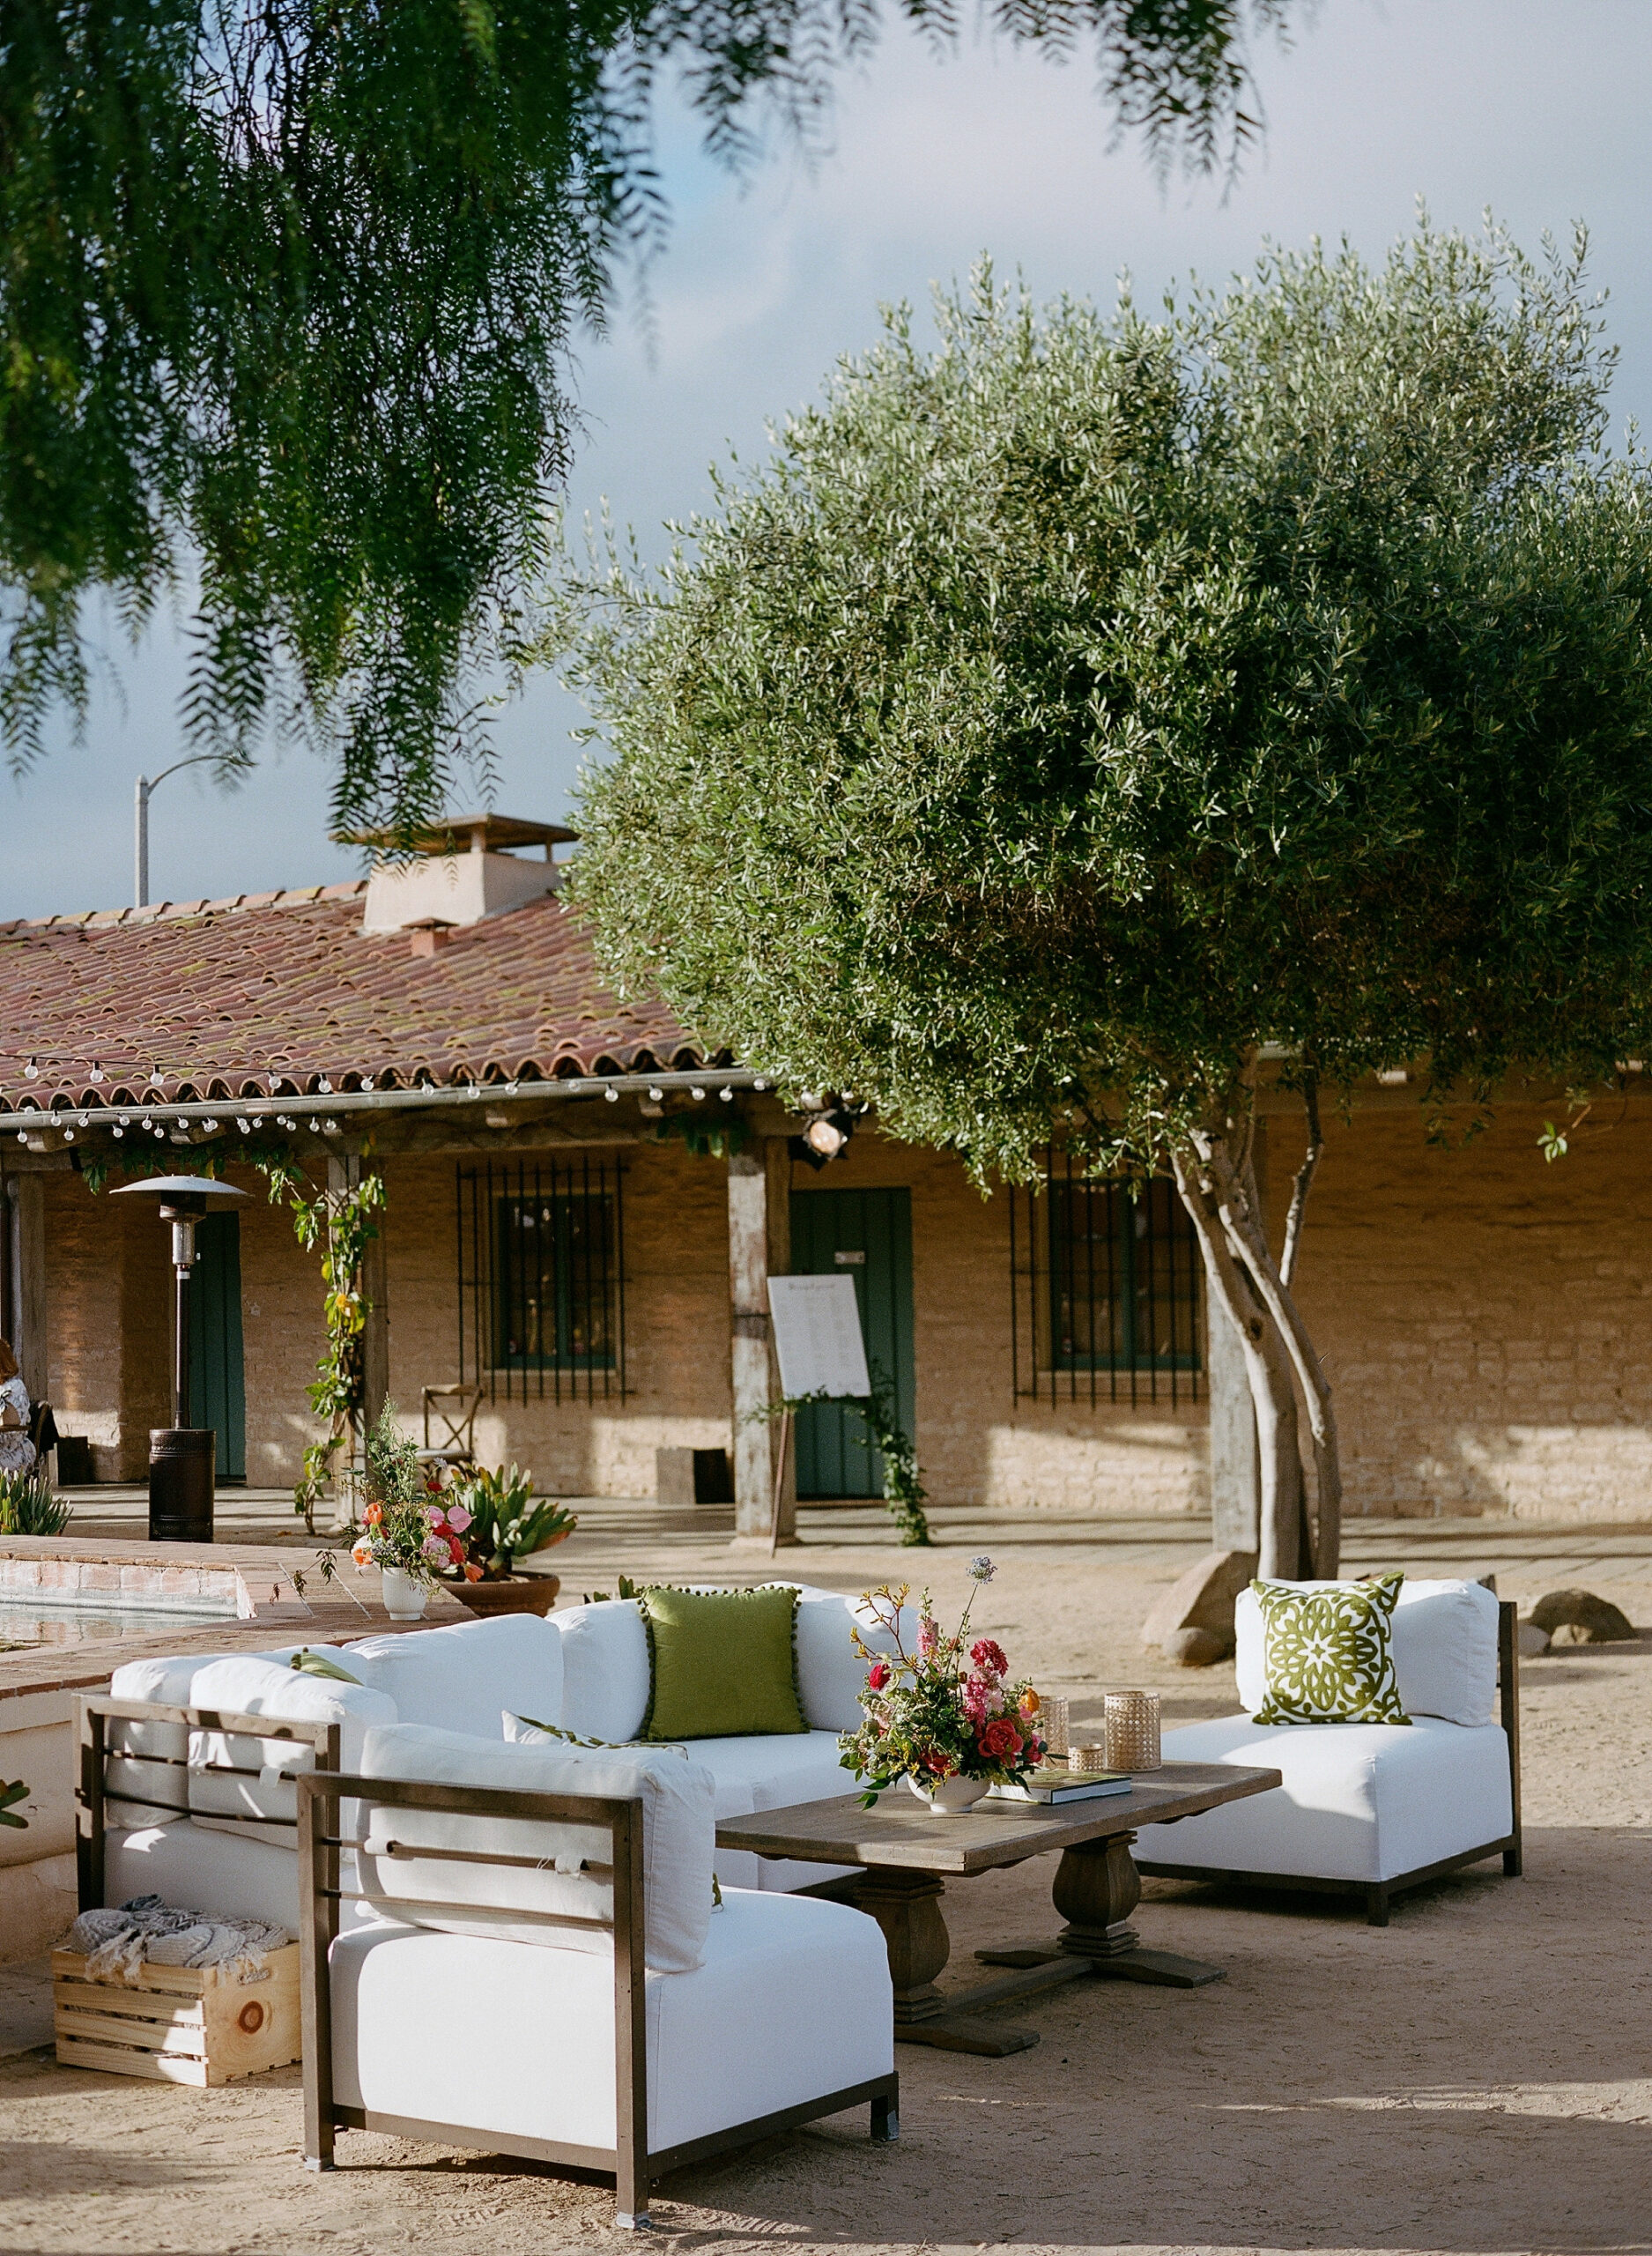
{"points": [[907, 1905], [1097, 1888]]}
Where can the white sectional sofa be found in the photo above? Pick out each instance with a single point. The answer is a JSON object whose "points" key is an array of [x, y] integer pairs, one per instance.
{"points": [[210, 1821], [1367, 1808]]}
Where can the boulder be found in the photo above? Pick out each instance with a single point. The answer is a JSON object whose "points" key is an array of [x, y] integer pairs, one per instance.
{"points": [[1197, 1648], [1203, 1598], [1577, 1617]]}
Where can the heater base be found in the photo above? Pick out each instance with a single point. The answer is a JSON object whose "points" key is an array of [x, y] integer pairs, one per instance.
{"points": [[182, 1467]]}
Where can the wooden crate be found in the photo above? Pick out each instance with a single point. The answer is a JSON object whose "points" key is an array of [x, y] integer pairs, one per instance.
{"points": [[184, 2024]]}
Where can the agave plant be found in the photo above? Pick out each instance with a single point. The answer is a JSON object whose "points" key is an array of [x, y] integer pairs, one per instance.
{"points": [[505, 1523], [28, 1507]]}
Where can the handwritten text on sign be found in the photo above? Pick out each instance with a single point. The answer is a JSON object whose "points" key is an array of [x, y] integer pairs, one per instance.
{"points": [[817, 1336]]}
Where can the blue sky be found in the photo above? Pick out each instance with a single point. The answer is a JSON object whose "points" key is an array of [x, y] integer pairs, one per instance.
{"points": [[1537, 108]]}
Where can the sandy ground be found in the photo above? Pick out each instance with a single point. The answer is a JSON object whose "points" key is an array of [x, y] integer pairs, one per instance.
{"points": [[1476, 2077]]}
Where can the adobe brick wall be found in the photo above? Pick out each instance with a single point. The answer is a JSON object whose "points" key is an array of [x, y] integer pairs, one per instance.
{"points": [[1484, 1318]]}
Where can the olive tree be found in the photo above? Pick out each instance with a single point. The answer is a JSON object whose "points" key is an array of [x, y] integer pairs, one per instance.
{"points": [[1074, 722]]}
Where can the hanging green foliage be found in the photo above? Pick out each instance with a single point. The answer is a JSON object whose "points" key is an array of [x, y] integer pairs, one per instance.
{"points": [[286, 294]]}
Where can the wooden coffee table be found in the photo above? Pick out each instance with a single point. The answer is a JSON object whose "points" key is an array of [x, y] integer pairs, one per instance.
{"points": [[906, 1857]]}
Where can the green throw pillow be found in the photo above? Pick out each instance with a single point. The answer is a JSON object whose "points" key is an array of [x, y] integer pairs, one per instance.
{"points": [[1326, 1653], [722, 1664], [310, 1663]]}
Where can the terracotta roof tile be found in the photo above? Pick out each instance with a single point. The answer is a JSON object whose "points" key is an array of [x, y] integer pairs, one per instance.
{"points": [[278, 992]]}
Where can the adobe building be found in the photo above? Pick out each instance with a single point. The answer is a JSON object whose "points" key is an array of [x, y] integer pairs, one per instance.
{"points": [[583, 1207]]}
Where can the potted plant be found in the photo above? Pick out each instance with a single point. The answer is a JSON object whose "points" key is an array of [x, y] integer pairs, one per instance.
{"points": [[400, 1522], [945, 1717], [496, 1523]]}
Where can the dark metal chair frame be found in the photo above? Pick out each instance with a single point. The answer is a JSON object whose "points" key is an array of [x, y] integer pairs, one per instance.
{"points": [[1378, 1894]]}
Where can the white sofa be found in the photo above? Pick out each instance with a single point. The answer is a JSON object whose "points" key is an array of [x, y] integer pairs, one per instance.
{"points": [[1367, 1808], [209, 1819]]}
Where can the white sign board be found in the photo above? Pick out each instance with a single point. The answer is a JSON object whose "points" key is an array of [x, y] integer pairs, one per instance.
{"points": [[817, 1336]]}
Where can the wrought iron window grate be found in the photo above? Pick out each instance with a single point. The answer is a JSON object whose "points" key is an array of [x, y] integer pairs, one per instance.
{"points": [[1105, 1290], [542, 1289]]}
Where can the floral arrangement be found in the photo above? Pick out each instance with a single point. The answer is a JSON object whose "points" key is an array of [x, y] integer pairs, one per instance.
{"points": [[403, 1525], [474, 1523], [947, 1709]]}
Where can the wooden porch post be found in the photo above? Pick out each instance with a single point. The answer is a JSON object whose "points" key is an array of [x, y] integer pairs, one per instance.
{"points": [[26, 1296], [760, 1246], [345, 1175]]}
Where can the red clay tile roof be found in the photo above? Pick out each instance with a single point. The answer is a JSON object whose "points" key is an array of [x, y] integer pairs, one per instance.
{"points": [[274, 992]]}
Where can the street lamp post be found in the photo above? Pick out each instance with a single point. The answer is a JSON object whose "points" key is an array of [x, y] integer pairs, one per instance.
{"points": [[183, 1459], [146, 785]]}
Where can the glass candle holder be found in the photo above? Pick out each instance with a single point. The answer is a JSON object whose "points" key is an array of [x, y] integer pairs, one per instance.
{"points": [[1052, 1722], [1132, 1719]]}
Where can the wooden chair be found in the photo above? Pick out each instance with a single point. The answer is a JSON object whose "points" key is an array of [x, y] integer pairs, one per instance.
{"points": [[454, 1407]]}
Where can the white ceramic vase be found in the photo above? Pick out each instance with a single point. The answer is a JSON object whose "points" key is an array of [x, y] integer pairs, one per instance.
{"points": [[949, 1796], [404, 1599]]}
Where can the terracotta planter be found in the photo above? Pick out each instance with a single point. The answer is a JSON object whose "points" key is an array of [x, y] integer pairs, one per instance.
{"points": [[515, 1594]]}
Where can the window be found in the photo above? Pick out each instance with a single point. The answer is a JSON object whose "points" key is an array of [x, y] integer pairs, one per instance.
{"points": [[1106, 1290], [541, 1279]]}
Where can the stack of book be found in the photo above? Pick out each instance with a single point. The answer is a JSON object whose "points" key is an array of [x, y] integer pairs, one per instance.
{"points": [[1052, 1785]]}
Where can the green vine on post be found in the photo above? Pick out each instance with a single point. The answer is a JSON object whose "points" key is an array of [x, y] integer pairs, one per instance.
{"points": [[343, 1222], [904, 1491]]}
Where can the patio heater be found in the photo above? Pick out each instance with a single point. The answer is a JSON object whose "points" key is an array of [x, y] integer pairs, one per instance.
{"points": [[183, 1465]]}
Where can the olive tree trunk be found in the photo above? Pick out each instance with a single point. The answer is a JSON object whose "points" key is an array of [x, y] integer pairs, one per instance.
{"points": [[1218, 1185]]}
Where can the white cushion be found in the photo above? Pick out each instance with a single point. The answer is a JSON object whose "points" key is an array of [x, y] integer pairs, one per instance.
{"points": [[773, 1770], [205, 1869], [164, 1678], [460, 1678], [216, 1869], [1443, 1640], [830, 1674], [1363, 1802], [248, 1684], [792, 2001], [605, 1671], [678, 1830]]}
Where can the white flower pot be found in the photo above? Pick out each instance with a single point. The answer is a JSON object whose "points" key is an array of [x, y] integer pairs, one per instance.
{"points": [[404, 1599], [950, 1797]]}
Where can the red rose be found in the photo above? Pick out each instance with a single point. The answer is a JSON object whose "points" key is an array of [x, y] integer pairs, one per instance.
{"points": [[999, 1741], [988, 1653], [942, 1765], [877, 1675]]}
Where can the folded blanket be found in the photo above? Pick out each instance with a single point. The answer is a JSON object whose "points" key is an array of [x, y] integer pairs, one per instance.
{"points": [[118, 1943]]}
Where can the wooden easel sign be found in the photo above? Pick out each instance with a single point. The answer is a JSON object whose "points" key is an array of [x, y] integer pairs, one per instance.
{"points": [[817, 1343], [817, 1336]]}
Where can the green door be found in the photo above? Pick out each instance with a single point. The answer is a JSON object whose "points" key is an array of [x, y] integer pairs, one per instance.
{"points": [[217, 1382], [866, 1235]]}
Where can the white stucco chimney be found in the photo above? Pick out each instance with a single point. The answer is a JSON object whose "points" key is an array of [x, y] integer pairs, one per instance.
{"points": [[460, 872]]}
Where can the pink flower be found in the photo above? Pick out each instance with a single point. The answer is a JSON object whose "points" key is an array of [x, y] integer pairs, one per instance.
{"points": [[879, 1675], [999, 1741], [458, 1518], [928, 1636], [434, 1514], [436, 1550], [988, 1654]]}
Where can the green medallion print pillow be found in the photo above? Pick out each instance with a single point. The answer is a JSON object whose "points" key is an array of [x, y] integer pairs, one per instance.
{"points": [[1327, 1654]]}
